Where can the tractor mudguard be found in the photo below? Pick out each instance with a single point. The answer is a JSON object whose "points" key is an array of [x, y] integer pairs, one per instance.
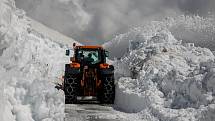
{"points": [[108, 71], [71, 71]]}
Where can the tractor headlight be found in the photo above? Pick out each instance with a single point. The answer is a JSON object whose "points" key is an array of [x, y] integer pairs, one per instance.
{"points": [[85, 67]]}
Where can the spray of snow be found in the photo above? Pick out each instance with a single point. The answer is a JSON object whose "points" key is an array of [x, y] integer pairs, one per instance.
{"points": [[191, 29], [103, 19]]}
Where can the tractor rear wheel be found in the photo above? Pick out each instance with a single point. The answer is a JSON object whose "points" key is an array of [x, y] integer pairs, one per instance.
{"points": [[108, 93], [71, 89]]}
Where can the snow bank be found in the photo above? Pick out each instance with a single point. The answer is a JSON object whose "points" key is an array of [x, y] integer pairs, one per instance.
{"points": [[166, 79], [29, 64]]}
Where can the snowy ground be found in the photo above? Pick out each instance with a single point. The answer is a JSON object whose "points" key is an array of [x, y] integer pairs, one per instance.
{"points": [[95, 112], [161, 79]]}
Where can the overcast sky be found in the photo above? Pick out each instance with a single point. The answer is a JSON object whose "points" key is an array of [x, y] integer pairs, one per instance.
{"points": [[101, 20]]}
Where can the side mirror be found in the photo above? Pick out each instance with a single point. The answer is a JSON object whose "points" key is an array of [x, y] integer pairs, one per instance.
{"points": [[72, 59], [106, 54], [67, 52], [74, 45]]}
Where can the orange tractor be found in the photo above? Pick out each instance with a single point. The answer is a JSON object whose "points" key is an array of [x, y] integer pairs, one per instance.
{"points": [[88, 75]]}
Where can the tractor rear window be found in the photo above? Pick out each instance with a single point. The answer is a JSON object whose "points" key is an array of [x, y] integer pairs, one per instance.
{"points": [[90, 56]]}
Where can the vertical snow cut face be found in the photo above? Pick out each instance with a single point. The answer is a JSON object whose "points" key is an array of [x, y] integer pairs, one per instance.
{"points": [[29, 65], [166, 79]]}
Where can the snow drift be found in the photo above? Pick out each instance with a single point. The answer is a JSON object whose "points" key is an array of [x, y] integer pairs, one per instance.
{"points": [[29, 64], [166, 79]]}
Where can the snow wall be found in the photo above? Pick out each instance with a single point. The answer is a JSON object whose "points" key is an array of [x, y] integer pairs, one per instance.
{"points": [[29, 65], [164, 79]]}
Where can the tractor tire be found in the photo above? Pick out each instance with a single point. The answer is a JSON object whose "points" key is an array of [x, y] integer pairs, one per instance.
{"points": [[108, 93], [71, 89]]}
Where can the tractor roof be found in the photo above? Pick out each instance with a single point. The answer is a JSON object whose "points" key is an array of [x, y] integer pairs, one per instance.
{"points": [[90, 47]]}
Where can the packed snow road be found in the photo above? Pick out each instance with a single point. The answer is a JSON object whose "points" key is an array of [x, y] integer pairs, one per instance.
{"points": [[92, 112]]}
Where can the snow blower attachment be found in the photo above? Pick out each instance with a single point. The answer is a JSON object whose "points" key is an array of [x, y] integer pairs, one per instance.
{"points": [[88, 75]]}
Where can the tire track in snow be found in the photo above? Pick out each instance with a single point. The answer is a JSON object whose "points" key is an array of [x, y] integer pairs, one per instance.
{"points": [[92, 112]]}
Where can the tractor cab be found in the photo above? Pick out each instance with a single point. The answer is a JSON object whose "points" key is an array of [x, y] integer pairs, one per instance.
{"points": [[88, 55]]}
